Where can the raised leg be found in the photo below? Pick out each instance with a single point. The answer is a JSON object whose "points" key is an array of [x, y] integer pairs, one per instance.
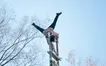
{"points": [[55, 20], [39, 28]]}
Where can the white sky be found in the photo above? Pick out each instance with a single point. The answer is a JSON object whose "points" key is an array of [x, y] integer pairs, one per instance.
{"points": [[82, 26]]}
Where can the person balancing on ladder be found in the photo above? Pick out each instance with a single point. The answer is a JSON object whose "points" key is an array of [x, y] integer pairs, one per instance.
{"points": [[53, 35]]}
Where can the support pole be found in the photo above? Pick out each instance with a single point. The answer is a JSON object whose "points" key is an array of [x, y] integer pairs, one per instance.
{"points": [[57, 52], [50, 49]]}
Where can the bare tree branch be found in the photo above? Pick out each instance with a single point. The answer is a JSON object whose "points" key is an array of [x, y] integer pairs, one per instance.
{"points": [[18, 52]]}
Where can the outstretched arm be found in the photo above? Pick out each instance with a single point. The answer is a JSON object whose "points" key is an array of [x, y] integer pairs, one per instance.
{"points": [[37, 27], [55, 20]]}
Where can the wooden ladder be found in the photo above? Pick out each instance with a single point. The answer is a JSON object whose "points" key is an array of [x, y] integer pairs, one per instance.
{"points": [[54, 56]]}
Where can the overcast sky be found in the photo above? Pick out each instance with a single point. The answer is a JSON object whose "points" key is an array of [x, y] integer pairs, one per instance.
{"points": [[81, 27]]}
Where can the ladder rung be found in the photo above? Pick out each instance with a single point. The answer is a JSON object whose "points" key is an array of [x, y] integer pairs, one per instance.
{"points": [[54, 55]]}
